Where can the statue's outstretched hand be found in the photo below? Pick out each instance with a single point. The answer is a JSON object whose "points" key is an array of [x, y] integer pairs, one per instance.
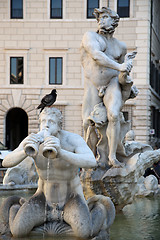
{"points": [[52, 142], [126, 66], [31, 139], [31, 144]]}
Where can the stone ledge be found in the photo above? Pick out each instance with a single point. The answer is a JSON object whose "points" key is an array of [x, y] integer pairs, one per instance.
{"points": [[18, 187]]}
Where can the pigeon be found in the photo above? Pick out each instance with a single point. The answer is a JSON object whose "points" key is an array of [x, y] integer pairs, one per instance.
{"points": [[48, 100]]}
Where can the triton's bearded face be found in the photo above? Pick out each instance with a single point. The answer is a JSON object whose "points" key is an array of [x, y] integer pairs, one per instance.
{"points": [[107, 24], [107, 20]]}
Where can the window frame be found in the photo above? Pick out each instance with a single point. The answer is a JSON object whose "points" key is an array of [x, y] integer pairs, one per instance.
{"points": [[87, 12], [52, 52], [11, 16], [16, 52], [129, 9], [154, 77], [56, 71], [17, 71], [56, 17], [129, 109]]}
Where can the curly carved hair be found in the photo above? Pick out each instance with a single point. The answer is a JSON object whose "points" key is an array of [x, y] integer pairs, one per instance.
{"points": [[108, 11], [55, 112]]}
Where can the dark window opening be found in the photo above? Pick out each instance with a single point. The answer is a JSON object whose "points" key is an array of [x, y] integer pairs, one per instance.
{"points": [[123, 7], [56, 9], [155, 122], [125, 114], [16, 8], [16, 70], [91, 5], [155, 78], [16, 127], [55, 70]]}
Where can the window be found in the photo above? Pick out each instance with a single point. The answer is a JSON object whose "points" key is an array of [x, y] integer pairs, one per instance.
{"points": [[55, 62], [123, 8], [55, 70], [155, 120], [16, 8], [127, 111], [91, 5], [155, 78], [125, 115], [56, 9], [16, 70]]}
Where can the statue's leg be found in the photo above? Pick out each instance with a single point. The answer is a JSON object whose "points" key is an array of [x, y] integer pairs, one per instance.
{"points": [[77, 215], [13, 212], [5, 213], [103, 214], [113, 103], [30, 214], [98, 215], [6, 205], [90, 99]]}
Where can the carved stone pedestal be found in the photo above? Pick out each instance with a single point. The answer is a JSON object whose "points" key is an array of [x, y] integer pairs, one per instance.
{"points": [[120, 184]]}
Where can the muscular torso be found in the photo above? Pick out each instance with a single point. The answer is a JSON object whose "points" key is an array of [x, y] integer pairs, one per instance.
{"points": [[98, 74], [57, 178]]}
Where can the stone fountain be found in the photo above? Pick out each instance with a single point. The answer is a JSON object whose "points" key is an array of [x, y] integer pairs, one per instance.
{"points": [[113, 162]]}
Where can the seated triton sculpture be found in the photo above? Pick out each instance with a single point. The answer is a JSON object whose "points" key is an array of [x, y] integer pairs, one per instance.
{"points": [[58, 206], [107, 86]]}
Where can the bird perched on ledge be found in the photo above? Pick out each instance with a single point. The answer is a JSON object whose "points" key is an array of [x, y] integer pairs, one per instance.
{"points": [[48, 100]]}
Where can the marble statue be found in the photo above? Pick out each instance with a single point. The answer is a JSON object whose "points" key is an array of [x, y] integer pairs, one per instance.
{"points": [[59, 205], [147, 186], [22, 174], [107, 66], [121, 161]]}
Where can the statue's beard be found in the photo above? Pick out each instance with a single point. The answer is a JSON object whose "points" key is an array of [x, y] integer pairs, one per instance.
{"points": [[105, 31], [110, 30]]}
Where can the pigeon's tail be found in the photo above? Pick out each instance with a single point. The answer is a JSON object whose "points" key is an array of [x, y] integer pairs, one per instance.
{"points": [[42, 109], [42, 106]]}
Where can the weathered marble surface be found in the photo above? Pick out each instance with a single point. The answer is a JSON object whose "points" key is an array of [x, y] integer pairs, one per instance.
{"points": [[22, 174], [59, 205], [121, 160], [147, 186], [108, 84], [122, 185]]}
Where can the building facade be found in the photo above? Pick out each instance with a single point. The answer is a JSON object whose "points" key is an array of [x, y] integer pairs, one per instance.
{"points": [[39, 51]]}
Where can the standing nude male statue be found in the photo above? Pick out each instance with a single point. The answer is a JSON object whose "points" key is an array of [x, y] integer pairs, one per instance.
{"points": [[102, 58], [59, 196]]}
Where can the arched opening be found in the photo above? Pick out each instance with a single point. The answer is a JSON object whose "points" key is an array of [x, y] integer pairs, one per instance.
{"points": [[16, 127]]}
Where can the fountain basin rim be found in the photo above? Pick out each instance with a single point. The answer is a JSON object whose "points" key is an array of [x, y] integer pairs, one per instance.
{"points": [[6, 187]]}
